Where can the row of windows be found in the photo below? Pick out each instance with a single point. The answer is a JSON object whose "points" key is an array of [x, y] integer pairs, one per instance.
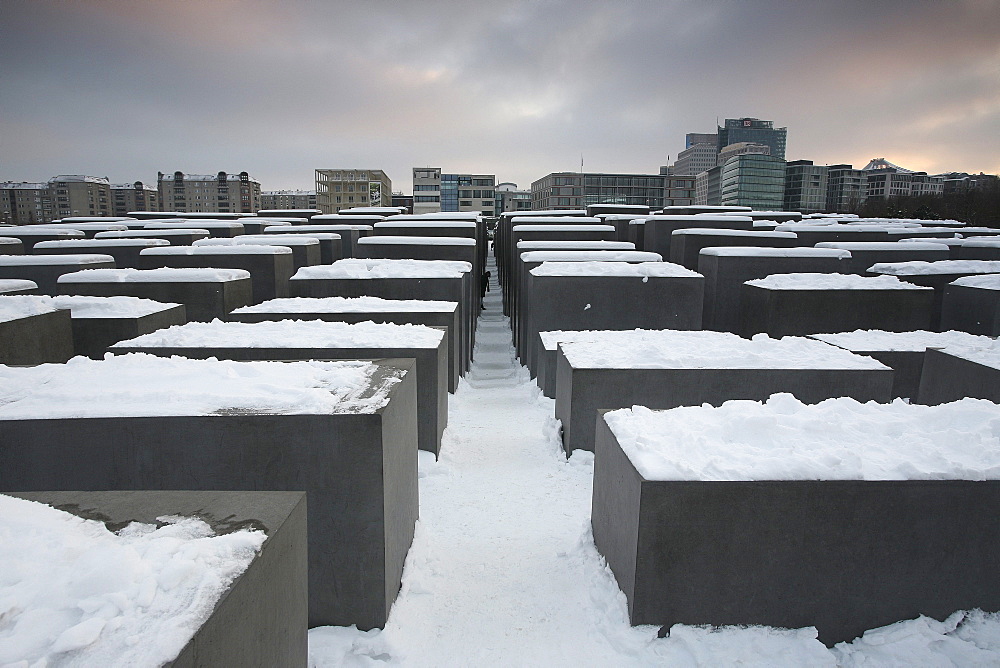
{"points": [[426, 198]]}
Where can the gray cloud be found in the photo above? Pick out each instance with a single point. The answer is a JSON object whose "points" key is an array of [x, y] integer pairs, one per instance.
{"points": [[513, 87]]}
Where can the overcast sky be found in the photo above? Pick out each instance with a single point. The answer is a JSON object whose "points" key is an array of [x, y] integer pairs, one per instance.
{"points": [[516, 88]]}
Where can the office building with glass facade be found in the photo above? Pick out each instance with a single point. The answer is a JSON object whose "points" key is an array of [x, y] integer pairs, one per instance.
{"points": [[577, 190], [435, 191], [753, 180], [754, 130], [805, 186]]}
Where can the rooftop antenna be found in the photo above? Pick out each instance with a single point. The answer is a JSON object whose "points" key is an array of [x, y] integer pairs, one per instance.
{"points": [[581, 163]]}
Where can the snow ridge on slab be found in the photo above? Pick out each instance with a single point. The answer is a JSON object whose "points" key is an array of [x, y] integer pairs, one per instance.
{"points": [[564, 228], [590, 256], [641, 269], [818, 281], [986, 353], [77, 594], [916, 244], [226, 249], [716, 231], [109, 307], [137, 385], [15, 307], [259, 240], [161, 275], [675, 349], [837, 439], [760, 251], [918, 341], [919, 267], [983, 281], [55, 260], [417, 241], [362, 268], [88, 243], [16, 284], [289, 334], [570, 245], [292, 305]]}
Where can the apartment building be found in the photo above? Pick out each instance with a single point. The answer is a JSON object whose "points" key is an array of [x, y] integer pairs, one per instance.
{"points": [[577, 190], [207, 193], [288, 199], [136, 196], [25, 203], [338, 189], [435, 191]]}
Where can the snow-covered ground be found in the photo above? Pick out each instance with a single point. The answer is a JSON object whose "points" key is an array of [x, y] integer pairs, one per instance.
{"points": [[503, 568]]}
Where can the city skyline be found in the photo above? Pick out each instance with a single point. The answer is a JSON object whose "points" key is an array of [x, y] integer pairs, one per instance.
{"points": [[519, 89]]}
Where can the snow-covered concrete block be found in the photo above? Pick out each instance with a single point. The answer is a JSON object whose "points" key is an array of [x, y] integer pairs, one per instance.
{"points": [[437, 280], [216, 228], [100, 322], [666, 369], [726, 269], [331, 244], [957, 371], [807, 303], [181, 237], [305, 249], [206, 294], [658, 230], [270, 267], [686, 243], [864, 254], [316, 339], [349, 234], [258, 618], [45, 270], [937, 275], [972, 304], [810, 235], [33, 331], [29, 235], [124, 251], [984, 248], [17, 286], [343, 432], [10, 245], [440, 314], [608, 296], [902, 351], [842, 516]]}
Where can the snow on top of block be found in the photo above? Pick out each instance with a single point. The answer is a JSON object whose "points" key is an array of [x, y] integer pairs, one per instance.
{"points": [[224, 249], [701, 218], [260, 240], [354, 216], [90, 243], [818, 281], [141, 385], [673, 349], [15, 307], [941, 241], [883, 245], [115, 234], [832, 227], [185, 224], [639, 270], [921, 268], [34, 260], [324, 228], [558, 227], [308, 230], [347, 305], [8, 284], [560, 218], [760, 251], [392, 221], [288, 334], [871, 340], [980, 242], [39, 230], [109, 307], [986, 352], [734, 233], [595, 244], [590, 256], [982, 281], [161, 275], [99, 591], [837, 439], [416, 241], [376, 268]]}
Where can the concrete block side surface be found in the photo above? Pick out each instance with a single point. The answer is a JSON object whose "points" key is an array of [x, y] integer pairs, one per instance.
{"points": [[37, 339], [615, 504], [93, 336], [843, 556], [946, 377], [261, 618], [971, 310]]}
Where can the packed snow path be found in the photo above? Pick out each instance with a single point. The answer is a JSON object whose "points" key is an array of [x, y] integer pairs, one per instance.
{"points": [[503, 570]]}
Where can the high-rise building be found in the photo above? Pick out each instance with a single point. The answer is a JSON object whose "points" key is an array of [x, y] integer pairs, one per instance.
{"points": [[208, 193], [708, 187], [577, 190], [78, 195], [742, 148], [845, 188], [288, 199], [696, 158], [805, 187], [136, 196], [693, 138], [435, 191], [338, 189], [884, 180], [25, 203], [754, 180], [754, 130]]}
